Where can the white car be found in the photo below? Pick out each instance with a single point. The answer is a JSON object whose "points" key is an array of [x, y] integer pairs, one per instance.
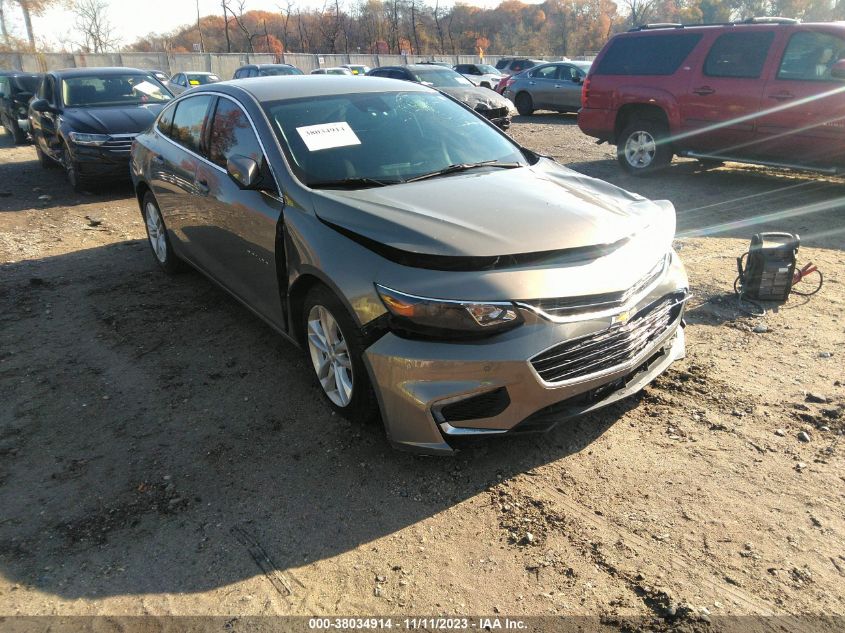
{"points": [[336, 70], [483, 75]]}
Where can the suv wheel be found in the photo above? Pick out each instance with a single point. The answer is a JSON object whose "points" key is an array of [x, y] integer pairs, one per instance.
{"points": [[642, 149], [524, 104], [335, 346]]}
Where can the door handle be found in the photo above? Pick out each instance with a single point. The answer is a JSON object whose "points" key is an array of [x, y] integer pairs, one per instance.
{"points": [[704, 90], [530, 83], [202, 187], [558, 86], [782, 96]]}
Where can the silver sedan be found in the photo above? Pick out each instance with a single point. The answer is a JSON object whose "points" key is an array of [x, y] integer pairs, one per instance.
{"points": [[554, 86]]}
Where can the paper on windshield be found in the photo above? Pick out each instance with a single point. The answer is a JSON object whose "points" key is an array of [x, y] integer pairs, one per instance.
{"points": [[328, 135], [146, 87]]}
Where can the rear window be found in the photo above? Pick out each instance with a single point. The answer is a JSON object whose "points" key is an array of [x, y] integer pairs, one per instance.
{"points": [[27, 83], [650, 55], [741, 55]]}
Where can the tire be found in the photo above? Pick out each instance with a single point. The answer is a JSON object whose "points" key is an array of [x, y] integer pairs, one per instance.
{"points": [[341, 375], [157, 236], [45, 161], [640, 150], [79, 183], [524, 104]]}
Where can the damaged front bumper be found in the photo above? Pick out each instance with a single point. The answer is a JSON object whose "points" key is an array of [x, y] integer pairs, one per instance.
{"points": [[432, 394]]}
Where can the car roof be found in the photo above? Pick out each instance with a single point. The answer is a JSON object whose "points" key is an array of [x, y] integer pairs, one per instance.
{"points": [[426, 67], [299, 86], [97, 71], [195, 72]]}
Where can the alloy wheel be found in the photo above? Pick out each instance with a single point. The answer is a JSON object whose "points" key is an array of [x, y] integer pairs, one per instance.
{"points": [[330, 356], [155, 231], [640, 149]]}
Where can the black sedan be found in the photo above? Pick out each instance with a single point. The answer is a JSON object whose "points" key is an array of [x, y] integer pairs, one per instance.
{"points": [[16, 89], [489, 104], [85, 120]]}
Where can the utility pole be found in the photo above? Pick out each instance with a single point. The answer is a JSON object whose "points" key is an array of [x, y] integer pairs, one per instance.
{"points": [[199, 28]]}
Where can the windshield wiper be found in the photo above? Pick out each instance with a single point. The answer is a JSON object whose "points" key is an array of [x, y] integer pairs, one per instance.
{"points": [[352, 183], [453, 169]]}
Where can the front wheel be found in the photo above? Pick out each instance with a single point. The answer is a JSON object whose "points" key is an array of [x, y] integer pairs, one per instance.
{"points": [[45, 161], [335, 346], [643, 147], [524, 104], [79, 182]]}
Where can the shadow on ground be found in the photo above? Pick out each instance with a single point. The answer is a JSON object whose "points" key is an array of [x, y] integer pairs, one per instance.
{"points": [[149, 418]]}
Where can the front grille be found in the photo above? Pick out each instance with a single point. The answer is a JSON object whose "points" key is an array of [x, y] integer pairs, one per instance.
{"points": [[562, 307], [609, 348], [485, 405], [493, 113], [119, 143]]}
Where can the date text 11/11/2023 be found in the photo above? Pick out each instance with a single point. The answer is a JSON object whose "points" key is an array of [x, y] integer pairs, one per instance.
{"points": [[418, 623]]}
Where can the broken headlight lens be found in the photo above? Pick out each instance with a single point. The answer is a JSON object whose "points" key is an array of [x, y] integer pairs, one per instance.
{"points": [[88, 139], [440, 317]]}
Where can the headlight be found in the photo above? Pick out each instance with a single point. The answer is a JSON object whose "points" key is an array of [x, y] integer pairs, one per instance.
{"points": [[444, 318], [88, 139]]}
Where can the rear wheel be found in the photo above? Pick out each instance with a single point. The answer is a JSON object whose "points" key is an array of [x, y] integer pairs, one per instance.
{"points": [[335, 347], [524, 104], [643, 148], [157, 236], [18, 135]]}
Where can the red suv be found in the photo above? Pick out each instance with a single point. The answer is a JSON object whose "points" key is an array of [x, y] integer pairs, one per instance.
{"points": [[767, 91]]}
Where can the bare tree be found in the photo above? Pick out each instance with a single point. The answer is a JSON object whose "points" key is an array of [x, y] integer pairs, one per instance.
{"points": [[3, 22], [640, 10], [30, 8], [226, 23], [199, 28], [93, 25]]}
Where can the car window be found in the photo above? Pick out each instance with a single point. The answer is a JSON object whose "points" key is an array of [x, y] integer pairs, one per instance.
{"points": [[486, 69], [231, 133], [440, 77], [165, 121], [741, 55], [502, 63], [544, 72], [188, 121], [809, 56], [387, 136], [4, 90], [647, 55]]}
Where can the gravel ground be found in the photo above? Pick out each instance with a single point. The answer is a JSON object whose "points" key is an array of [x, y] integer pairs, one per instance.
{"points": [[163, 452]]}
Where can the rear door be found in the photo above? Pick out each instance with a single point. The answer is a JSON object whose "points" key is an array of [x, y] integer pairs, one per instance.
{"points": [[542, 83], [720, 106], [237, 227], [804, 120], [174, 161], [567, 93]]}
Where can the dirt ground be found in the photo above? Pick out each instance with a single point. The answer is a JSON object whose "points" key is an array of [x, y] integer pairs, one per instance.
{"points": [[163, 452]]}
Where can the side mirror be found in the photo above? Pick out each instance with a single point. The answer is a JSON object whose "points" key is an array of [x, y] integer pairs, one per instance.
{"points": [[837, 71], [578, 79], [244, 171], [42, 105]]}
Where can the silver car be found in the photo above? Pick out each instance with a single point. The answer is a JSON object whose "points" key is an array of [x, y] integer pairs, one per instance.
{"points": [[555, 86], [180, 82], [438, 275], [482, 75]]}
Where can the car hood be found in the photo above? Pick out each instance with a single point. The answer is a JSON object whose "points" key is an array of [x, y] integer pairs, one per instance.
{"points": [[544, 208], [128, 120], [474, 97]]}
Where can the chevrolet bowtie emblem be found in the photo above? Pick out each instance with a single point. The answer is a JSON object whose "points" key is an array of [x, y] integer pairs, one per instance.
{"points": [[621, 318]]}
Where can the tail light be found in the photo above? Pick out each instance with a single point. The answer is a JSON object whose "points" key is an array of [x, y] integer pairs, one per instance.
{"points": [[585, 92]]}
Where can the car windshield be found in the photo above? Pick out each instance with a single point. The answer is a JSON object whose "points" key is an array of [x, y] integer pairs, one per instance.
{"points": [[279, 70], [112, 90], [201, 80], [27, 83], [440, 77], [502, 63], [487, 69], [384, 137]]}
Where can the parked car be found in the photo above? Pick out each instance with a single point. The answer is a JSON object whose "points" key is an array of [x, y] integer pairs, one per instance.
{"points": [[494, 107], [555, 86], [357, 69], [16, 89], [435, 62], [434, 271], [160, 75], [180, 82], [85, 119], [513, 65], [765, 91], [265, 70], [335, 70], [483, 75]]}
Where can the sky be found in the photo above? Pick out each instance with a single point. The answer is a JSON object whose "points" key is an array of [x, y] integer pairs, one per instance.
{"points": [[132, 19]]}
